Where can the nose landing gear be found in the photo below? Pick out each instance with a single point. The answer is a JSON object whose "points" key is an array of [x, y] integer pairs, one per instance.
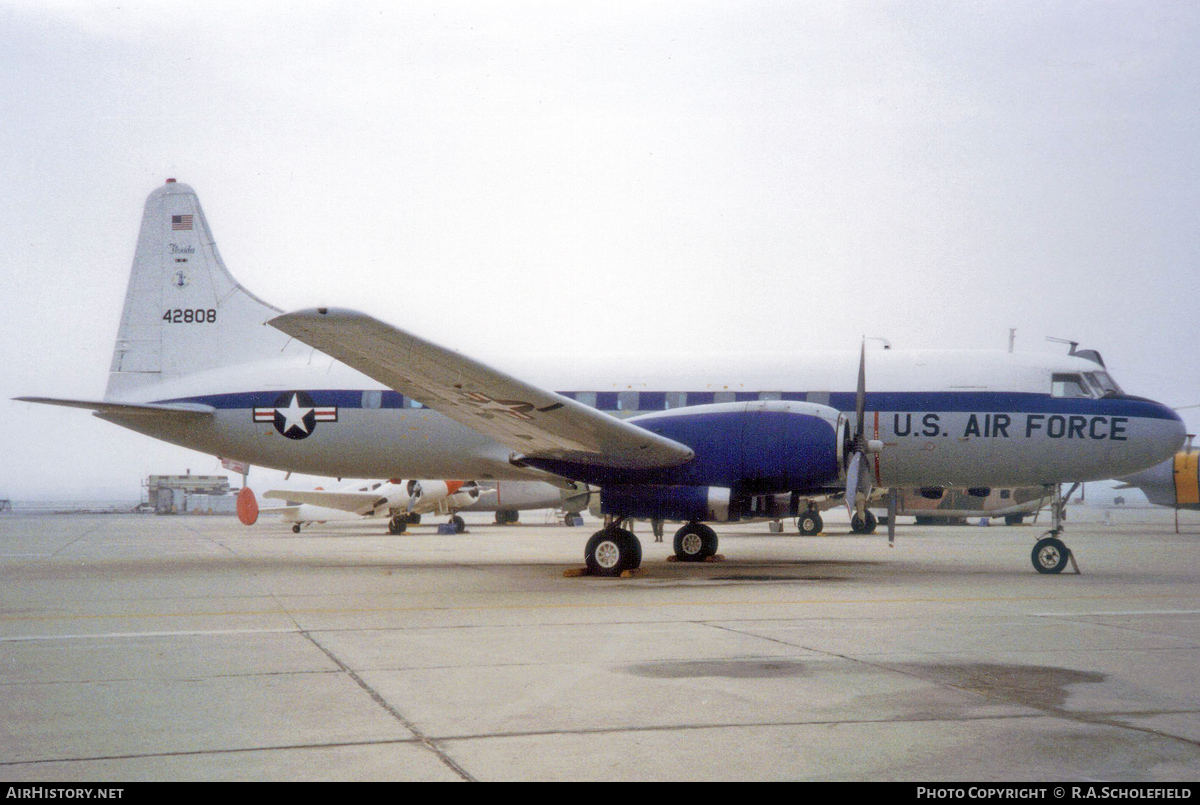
{"points": [[1050, 554]]}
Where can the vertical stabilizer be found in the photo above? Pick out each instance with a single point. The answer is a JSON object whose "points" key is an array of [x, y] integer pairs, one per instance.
{"points": [[184, 313]]}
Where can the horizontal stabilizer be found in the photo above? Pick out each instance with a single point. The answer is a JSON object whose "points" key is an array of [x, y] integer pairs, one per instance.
{"points": [[532, 421], [167, 410]]}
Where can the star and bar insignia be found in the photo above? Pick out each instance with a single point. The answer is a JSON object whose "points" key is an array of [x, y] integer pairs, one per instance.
{"points": [[295, 415]]}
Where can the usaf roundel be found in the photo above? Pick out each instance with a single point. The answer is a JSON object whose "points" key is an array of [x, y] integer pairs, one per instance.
{"points": [[295, 415]]}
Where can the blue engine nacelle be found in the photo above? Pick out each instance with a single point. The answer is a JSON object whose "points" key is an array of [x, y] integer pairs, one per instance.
{"points": [[751, 448]]}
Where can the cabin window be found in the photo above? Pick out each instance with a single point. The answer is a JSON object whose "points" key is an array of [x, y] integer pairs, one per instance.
{"points": [[1005, 494], [1069, 386], [587, 398], [770, 395], [372, 399], [627, 401], [409, 402], [675, 399], [724, 397]]}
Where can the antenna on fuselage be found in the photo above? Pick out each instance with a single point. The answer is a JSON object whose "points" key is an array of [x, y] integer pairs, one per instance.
{"points": [[1073, 344]]}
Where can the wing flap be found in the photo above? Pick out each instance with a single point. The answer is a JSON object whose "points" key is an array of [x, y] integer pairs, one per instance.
{"points": [[530, 420]]}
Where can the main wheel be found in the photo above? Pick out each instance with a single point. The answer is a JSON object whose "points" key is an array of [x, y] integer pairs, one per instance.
{"points": [[1050, 555], [397, 525], [695, 542], [460, 525], [611, 552], [865, 524], [1013, 519], [296, 528], [809, 523]]}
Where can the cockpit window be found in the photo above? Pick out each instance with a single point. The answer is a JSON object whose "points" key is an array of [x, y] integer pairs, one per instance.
{"points": [[1104, 381], [1068, 386]]}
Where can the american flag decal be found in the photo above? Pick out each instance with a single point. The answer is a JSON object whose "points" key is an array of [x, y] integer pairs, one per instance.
{"points": [[181, 222]]}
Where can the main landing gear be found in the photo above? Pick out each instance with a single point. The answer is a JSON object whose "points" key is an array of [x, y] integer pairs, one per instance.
{"points": [[695, 542], [1050, 554], [865, 524], [398, 524], [612, 550]]}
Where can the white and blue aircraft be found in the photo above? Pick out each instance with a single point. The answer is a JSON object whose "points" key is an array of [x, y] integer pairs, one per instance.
{"points": [[693, 442]]}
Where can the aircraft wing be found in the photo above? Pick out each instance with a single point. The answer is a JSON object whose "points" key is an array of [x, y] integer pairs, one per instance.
{"points": [[356, 502], [530, 420], [170, 410]]}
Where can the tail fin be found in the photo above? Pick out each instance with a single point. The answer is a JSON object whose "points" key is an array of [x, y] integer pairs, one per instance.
{"points": [[184, 313]]}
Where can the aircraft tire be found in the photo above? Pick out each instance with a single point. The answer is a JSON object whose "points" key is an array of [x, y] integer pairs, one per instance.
{"points": [[695, 542], [612, 551], [1050, 555], [397, 525], [460, 525], [809, 524], [864, 525], [1013, 519], [296, 528]]}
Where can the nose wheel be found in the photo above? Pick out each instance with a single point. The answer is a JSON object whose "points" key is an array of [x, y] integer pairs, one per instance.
{"points": [[809, 523], [1050, 554]]}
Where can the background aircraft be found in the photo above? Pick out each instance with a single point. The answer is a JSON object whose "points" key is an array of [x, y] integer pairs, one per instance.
{"points": [[1175, 482], [403, 502], [1014, 504]]}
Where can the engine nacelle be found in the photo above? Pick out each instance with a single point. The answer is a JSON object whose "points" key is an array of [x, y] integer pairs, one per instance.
{"points": [[757, 447], [710, 503]]}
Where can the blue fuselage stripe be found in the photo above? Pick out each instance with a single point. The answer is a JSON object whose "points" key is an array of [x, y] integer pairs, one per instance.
{"points": [[892, 401]]}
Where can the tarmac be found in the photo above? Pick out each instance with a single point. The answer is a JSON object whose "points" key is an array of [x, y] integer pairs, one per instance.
{"points": [[141, 647]]}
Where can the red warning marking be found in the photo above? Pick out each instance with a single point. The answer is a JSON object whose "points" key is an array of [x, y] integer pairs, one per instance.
{"points": [[247, 507]]}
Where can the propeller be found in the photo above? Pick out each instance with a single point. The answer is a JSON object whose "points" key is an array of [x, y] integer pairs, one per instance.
{"points": [[859, 481], [414, 494]]}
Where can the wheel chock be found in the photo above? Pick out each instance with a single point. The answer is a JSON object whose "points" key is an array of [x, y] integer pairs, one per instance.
{"points": [[631, 572], [716, 557]]}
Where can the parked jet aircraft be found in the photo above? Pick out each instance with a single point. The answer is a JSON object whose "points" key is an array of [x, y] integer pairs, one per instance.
{"points": [[194, 365]]}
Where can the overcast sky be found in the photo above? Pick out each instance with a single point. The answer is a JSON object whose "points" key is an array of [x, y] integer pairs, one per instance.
{"points": [[569, 177]]}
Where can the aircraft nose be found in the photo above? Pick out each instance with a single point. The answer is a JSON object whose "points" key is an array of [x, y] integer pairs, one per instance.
{"points": [[1168, 433]]}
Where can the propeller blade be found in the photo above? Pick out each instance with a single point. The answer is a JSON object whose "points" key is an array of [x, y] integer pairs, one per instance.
{"points": [[852, 479], [893, 507], [860, 397]]}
